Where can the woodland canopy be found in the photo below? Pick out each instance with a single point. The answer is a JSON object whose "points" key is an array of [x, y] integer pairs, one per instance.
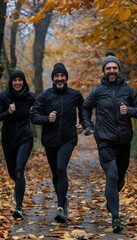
{"points": [[78, 33]]}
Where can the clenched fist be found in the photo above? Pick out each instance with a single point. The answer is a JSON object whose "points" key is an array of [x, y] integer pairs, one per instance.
{"points": [[123, 109], [52, 116], [12, 108], [79, 128]]}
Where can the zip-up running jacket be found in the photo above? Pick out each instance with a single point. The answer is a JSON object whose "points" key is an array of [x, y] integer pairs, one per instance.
{"points": [[110, 125], [16, 126], [64, 102]]}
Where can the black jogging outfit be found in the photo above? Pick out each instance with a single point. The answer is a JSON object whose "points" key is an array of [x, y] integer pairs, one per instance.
{"points": [[112, 131], [59, 137]]}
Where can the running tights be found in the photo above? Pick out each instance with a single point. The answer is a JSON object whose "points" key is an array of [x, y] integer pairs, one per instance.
{"points": [[16, 159], [114, 161], [58, 159]]}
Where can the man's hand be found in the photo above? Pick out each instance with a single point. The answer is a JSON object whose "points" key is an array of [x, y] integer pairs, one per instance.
{"points": [[79, 128], [52, 116], [123, 109], [12, 108]]}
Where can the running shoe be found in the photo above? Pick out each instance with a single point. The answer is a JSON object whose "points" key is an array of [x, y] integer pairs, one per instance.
{"points": [[116, 225], [18, 213], [60, 215]]}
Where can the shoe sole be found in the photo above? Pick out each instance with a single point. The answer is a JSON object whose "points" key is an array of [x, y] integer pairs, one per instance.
{"points": [[117, 229], [60, 219], [17, 215]]}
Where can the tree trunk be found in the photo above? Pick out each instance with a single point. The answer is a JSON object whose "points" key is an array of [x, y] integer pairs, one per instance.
{"points": [[38, 49], [2, 25], [14, 29]]}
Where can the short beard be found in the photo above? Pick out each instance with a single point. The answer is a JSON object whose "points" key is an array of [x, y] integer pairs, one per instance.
{"points": [[113, 80], [59, 86]]}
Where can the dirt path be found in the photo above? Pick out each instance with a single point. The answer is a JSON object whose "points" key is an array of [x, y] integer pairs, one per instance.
{"points": [[88, 217]]}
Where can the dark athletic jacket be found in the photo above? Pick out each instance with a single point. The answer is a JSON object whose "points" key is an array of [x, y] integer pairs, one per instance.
{"points": [[110, 125], [16, 126], [64, 102]]}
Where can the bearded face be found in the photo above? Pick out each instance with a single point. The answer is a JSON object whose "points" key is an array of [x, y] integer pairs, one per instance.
{"points": [[111, 71], [59, 80]]}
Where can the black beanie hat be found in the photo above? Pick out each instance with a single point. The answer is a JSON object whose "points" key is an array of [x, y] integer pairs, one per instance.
{"points": [[14, 74], [59, 68], [110, 57]]}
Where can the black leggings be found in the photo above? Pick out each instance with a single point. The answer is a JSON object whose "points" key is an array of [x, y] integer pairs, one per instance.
{"points": [[16, 159], [114, 161], [58, 159]]}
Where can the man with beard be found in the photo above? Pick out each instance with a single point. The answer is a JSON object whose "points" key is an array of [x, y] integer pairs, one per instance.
{"points": [[56, 110], [116, 103]]}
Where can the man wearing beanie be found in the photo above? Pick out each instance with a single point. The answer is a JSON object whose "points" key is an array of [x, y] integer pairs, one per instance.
{"points": [[116, 103], [56, 110]]}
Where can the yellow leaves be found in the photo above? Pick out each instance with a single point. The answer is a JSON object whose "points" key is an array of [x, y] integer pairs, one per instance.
{"points": [[108, 230], [30, 236], [110, 10], [22, 236], [129, 200], [21, 20], [5, 204], [121, 9], [101, 4], [81, 234], [67, 6], [50, 4], [57, 228], [124, 13], [77, 232], [133, 8], [31, 222], [81, 209], [37, 17]]}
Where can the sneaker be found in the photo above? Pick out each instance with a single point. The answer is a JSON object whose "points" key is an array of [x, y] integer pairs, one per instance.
{"points": [[66, 207], [18, 213], [60, 215], [121, 186], [116, 225], [107, 207]]}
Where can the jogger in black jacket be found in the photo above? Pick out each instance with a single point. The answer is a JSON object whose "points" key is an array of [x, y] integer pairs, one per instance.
{"points": [[116, 103], [56, 110], [17, 138]]}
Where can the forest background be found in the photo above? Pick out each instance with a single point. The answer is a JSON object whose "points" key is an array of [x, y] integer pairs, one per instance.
{"points": [[34, 35]]}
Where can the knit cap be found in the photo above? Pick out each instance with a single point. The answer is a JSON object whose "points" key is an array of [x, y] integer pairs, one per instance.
{"points": [[59, 68], [110, 57]]}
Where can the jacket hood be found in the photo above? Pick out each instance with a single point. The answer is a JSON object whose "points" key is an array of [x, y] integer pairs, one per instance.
{"points": [[20, 74]]}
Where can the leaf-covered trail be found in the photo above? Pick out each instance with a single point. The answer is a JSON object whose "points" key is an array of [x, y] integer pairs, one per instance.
{"points": [[88, 217]]}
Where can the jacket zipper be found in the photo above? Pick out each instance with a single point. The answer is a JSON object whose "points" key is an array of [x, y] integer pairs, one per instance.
{"points": [[115, 111], [61, 98]]}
